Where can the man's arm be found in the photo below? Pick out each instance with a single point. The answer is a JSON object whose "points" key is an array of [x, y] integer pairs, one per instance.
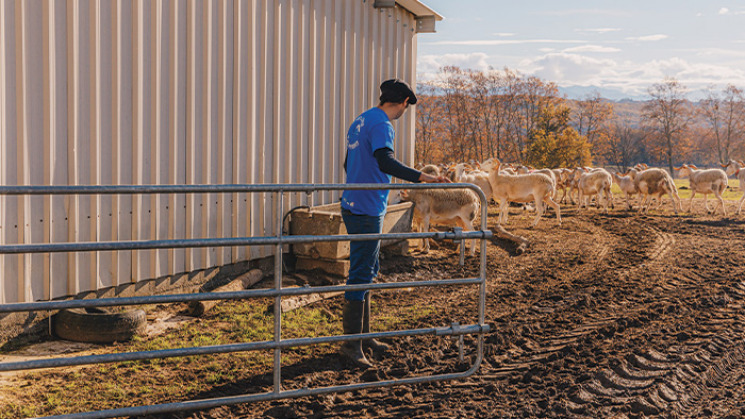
{"points": [[389, 165]]}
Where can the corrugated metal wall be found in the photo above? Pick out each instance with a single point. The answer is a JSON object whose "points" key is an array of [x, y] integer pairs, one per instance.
{"points": [[177, 92]]}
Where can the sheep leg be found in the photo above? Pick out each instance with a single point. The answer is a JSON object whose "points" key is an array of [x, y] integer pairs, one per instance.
{"points": [[467, 227], [608, 199], [555, 206], [672, 202], [690, 206], [721, 202], [539, 211], [425, 228], [645, 203], [659, 202], [602, 195], [739, 208], [503, 210], [706, 203]]}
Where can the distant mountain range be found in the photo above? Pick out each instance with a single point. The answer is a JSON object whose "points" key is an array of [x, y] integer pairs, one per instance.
{"points": [[617, 95]]}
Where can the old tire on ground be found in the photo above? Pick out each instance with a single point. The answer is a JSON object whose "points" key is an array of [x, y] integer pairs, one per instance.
{"points": [[95, 325]]}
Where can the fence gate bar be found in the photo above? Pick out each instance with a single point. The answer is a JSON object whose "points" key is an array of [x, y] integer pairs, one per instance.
{"points": [[277, 344]]}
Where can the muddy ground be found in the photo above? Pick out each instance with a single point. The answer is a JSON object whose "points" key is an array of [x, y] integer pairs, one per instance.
{"points": [[618, 315], [611, 315]]}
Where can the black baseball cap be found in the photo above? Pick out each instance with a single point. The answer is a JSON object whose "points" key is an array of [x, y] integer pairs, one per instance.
{"points": [[396, 91]]}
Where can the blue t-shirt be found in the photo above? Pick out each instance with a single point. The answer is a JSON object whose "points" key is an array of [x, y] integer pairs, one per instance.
{"points": [[369, 132]]}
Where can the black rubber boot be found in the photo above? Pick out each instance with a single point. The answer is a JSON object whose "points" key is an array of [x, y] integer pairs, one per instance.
{"points": [[352, 322], [374, 344]]}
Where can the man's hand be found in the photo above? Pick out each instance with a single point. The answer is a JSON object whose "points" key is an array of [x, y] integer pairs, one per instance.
{"points": [[433, 179]]}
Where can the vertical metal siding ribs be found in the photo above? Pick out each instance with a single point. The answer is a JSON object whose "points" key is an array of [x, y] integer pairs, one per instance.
{"points": [[179, 92]]}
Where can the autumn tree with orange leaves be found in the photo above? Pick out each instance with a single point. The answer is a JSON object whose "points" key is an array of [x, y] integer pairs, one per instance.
{"points": [[468, 115], [724, 117], [553, 143], [493, 114], [668, 116]]}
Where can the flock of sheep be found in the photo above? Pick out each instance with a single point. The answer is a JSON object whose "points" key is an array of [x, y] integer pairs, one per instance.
{"points": [[507, 183]]}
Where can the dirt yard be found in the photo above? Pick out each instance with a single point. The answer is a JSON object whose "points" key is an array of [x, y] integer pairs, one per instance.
{"points": [[617, 315], [611, 315]]}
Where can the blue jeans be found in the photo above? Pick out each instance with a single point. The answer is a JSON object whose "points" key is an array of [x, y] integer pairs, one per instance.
{"points": [[363, 255]]}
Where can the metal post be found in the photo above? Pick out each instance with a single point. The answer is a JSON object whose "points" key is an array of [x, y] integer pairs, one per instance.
{"points": [[278, 298]]}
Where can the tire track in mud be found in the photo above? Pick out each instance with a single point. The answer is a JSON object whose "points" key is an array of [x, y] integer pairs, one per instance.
{"points": [[546, 349], [682, 381], [689, 375], [646, 382]]}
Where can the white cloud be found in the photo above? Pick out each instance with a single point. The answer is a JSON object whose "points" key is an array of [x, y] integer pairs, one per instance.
{"points": [[546, 50], [598, 30], [657, 37], [567, 69], [504, 34], [591, 48], [572, 68], [429, 65], [492, 42], [727, 11]]}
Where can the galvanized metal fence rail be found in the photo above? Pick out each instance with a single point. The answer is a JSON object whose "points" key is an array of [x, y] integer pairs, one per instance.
{"points": [[277, 344]]}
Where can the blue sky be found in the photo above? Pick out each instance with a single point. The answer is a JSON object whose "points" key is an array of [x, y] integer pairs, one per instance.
{"points": [[616, 46]]}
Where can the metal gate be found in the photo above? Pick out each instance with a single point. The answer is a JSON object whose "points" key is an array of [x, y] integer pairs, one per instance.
{"points": [[277, 344]]}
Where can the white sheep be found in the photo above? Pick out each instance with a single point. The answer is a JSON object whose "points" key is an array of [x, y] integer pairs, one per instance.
{"points": [[562, 179], [595, 182], [478, 178], [627, 186], [737, 168], [653, 183], [705, 181], [572, 182], [532, 187], [431, 169], [444, 206]]}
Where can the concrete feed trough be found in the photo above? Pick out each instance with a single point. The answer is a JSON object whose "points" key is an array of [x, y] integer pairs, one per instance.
{"points": [[326, 220]]}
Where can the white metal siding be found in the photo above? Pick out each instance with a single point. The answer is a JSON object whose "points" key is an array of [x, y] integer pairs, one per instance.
{"points": [[177, 92]]}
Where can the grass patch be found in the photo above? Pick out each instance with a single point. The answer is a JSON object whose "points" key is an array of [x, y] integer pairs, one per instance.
{"points": [[132, 383], [732, 193]]}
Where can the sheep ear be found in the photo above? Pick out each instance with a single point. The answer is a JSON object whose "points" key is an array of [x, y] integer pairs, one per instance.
{"points": [[678, 168], [724, 166], [694, 166]]}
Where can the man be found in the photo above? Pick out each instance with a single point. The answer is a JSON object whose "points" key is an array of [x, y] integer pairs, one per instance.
{"points": [[370, 144]]}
